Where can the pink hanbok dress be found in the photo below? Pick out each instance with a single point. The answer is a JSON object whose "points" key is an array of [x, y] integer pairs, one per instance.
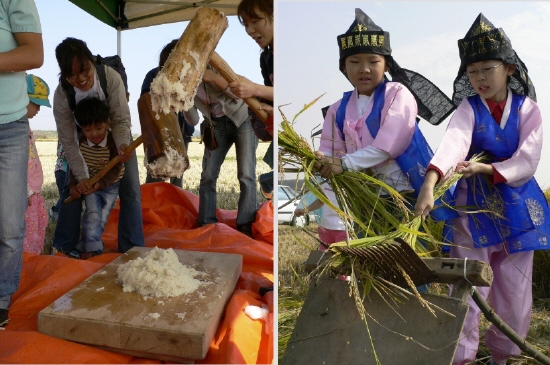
{"points": [[36, 216], [511, 291]]}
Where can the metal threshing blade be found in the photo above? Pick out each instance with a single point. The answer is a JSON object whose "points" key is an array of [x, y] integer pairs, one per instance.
{"points": [[387, 257]]}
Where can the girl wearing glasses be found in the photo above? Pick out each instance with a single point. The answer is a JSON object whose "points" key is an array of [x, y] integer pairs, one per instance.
{"points": [[497, 114]]}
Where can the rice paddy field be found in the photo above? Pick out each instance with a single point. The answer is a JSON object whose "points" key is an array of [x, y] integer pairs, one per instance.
{"points": [[227, 185]]}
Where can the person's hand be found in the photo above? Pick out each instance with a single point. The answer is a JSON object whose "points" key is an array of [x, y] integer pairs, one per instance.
{"points": [[85, 187], [468, 169], [29, 202], [298, 212], [209, 76], [267, 108], [75, 194], [123, 155], [328, 166], [242, 88], [425, 202]]}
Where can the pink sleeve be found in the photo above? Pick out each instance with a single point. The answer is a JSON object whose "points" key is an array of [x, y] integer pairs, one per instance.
{"points": [[331, 138], [519, 168], [456, 142], [398, 120]]}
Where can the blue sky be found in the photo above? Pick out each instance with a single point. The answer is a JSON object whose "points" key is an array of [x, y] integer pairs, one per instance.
{"points": [[140, 50], [424, 37]]}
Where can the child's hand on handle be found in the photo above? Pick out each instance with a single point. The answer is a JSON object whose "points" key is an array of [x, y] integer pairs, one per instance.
{"points": [[75, 194], [84, 187], [328, 166], [123, 155], [298, 212]]}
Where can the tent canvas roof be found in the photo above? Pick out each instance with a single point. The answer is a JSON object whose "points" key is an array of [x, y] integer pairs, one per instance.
{"points": [[133, 14]]}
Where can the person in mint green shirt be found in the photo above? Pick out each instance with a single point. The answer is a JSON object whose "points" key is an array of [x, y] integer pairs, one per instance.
{"points": [[21, 49]]}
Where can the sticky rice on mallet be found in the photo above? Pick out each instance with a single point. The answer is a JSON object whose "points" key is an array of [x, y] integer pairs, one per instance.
{"points": [[175, 87], [165, 153]]}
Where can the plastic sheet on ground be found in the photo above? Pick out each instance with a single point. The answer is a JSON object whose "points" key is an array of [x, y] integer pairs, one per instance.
{"points": [[170, 220]]}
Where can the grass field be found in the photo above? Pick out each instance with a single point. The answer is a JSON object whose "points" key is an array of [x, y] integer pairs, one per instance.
{"points": [[227, 186]]}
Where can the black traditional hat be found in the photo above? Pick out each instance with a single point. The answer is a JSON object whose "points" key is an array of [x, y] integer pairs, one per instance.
{"points": [[486, 42], [364, 36]]}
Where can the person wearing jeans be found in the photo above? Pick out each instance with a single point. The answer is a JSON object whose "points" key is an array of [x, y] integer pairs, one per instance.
{"points": [[98, 208], [78, 73], [231, 124], [14, 154], [245, 142], [130, 221], [21, 49]]}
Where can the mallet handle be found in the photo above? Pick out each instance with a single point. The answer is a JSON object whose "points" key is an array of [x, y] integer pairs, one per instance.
{"points": [[229, 75], [109, 166]]}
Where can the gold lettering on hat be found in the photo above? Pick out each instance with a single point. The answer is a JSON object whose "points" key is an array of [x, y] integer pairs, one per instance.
{"points": [[481, 28], [465, 45], [366, 40], [343, 41], [360, 28], [350, 41], [357, 40], [494, 42], [381, 40], [374, 40], [481, 45]]}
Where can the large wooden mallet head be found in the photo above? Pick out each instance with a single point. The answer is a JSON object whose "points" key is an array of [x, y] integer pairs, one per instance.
{"points": [[166, 155], [174, 90], [176, 85]]}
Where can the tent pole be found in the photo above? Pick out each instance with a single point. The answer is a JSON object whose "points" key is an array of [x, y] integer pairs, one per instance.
{"points": [[118, 42]]}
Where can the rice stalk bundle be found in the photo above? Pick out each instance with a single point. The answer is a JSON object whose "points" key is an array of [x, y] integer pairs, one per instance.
{"points": [[373, 211], [361, 203]]}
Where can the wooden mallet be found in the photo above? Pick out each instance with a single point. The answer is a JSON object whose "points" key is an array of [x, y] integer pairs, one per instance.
{"points": [[176, 85], [112, 163]]}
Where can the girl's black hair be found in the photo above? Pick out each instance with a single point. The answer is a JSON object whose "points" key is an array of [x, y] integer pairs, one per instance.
{"points": [[91, 111], [248, 8], [166, 52], [67, 52]]}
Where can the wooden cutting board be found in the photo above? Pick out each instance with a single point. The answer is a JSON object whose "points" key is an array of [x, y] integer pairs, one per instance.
{"points": [[97, 312]]}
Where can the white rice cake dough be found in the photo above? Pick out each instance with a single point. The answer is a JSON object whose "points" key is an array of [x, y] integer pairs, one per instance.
{"points": [[159, 274]]}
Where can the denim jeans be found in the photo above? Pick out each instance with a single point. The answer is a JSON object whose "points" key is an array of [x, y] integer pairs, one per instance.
{"points": [[268, 157], [14, 156], [177, 181], [245, 142], [130, 221], [98, 207], [60, 181]]}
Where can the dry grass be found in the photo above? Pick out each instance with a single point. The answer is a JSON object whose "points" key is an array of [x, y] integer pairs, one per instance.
{"points": [[294, 247], [227, 186]]}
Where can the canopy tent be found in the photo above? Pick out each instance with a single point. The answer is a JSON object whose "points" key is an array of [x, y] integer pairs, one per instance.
{"points": [[133, 14]]}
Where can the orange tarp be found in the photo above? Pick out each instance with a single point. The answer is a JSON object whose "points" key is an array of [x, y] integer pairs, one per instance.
{"points": [[170, 220]]}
